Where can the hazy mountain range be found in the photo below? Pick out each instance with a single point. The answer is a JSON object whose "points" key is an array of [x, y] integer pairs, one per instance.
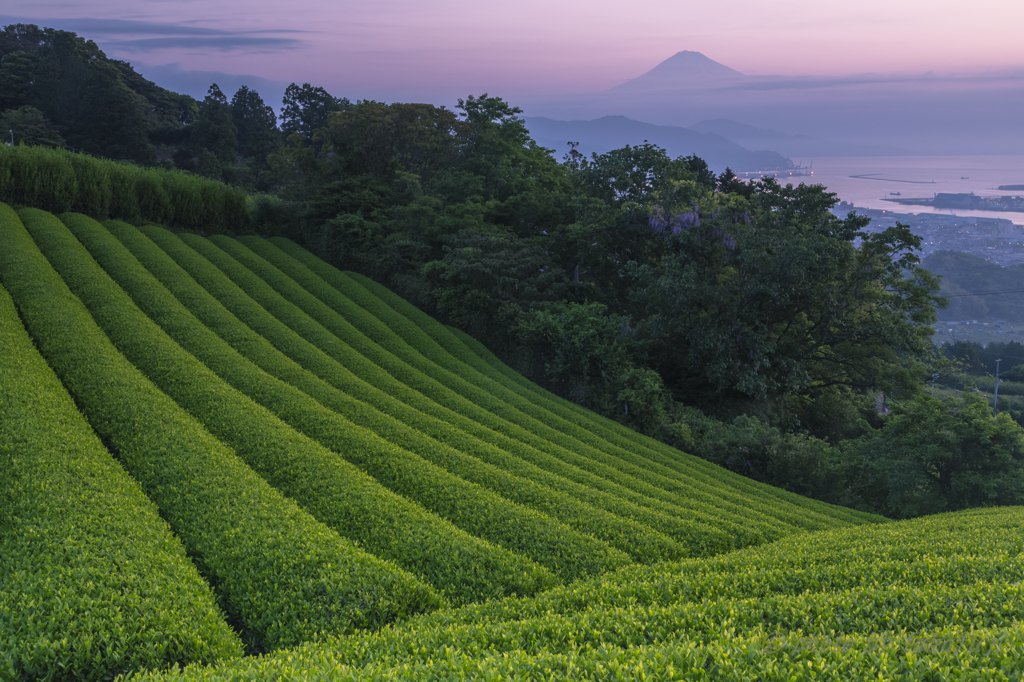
{"points": [[865, 114]]}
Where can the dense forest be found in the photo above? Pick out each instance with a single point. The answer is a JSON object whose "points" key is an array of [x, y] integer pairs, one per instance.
{"points": [[964, 273], [742, 322]]}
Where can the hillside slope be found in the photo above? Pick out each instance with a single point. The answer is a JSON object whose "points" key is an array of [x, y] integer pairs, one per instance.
{"points": [[330, 458]]}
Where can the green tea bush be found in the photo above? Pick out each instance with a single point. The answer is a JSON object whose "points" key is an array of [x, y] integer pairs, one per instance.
{"points": [[336, 492], [933, 598], [58, 180], [745, 529], [315, 348], [76, 601], [426, 436], [480, 512], [371, 336], [472, 352], [281, 576]]}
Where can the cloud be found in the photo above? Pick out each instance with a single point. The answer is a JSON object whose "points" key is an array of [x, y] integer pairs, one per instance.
{"points": [[185, 36], [196, 83], [226, 43]]}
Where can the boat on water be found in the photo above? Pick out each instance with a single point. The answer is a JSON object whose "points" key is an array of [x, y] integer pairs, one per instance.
{"points": [[895, 194], [965, 177]]}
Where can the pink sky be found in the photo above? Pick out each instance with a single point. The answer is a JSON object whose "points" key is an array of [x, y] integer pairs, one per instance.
{"points": [[534, 48]]}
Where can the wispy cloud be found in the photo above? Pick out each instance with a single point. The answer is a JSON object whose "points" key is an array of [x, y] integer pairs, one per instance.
{"points": [[128, 35], [226, 43]]}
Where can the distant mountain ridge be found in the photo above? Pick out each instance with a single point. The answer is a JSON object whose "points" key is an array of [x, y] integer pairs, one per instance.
{"points": [[793, 146], [683, 70], [612, 132]]}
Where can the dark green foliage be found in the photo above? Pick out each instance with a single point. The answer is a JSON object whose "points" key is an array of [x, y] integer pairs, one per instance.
{"points": [[305, 110], [768, 296], [214, 129], [76, 87], [340, 495], [936, 455], [66, 508], [255, 125], [27, 125], [57, 180], [965, 273], [281, 576]]}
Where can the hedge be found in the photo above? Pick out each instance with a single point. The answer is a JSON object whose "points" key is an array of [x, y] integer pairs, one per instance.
{"points": [[566, 552], [76, 601], [281, 576], [408, 341], [336, 492], [334, 387], [58, 180], [934, 598], [311, 293], [267, 309], [472, 352], [382, 361]]}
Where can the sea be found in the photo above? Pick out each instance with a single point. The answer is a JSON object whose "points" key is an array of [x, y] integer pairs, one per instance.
{"points": [[913, 177]]}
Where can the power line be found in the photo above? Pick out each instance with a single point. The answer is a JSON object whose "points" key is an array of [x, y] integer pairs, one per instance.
{"points": [[985, 293]]}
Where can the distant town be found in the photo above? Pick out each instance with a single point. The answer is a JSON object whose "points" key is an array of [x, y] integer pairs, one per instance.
{"points": [[997, 240]]}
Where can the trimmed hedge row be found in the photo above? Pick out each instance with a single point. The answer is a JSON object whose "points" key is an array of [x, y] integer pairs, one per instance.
{"points": [[58, 180], [408, 366], [310, 370], [401, 380], [661, 453], [935, 598], [332, 359], [281, 576], [478, 511], [469, 350], [410, 337], [76, 601], [963, 653], [467, 364], [336, 492]]}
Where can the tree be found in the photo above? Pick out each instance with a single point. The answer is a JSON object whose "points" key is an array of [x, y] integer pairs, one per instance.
{"points": [[27, 125], [769, 296], [255, 125], [936, 455], [214, 129], [16, 72], [306, 109]]}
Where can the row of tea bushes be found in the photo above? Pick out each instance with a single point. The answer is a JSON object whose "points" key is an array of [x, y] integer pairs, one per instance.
{"points": [[304, 339], [76, 601], [461, 348], [934, 598], [426, 436], [281, 576], [58, 180], [339, 494], [566, 552], [349, 322]]}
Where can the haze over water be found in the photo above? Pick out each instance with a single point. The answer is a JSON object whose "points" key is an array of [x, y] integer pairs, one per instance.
{"points": [[954, 174]]}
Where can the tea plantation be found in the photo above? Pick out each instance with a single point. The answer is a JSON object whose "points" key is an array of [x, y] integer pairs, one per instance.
{"points": [[223, 459]]}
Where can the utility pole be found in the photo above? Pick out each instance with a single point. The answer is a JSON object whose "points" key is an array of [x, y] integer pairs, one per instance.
{"points": [[995, 401], [934, 377]]}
